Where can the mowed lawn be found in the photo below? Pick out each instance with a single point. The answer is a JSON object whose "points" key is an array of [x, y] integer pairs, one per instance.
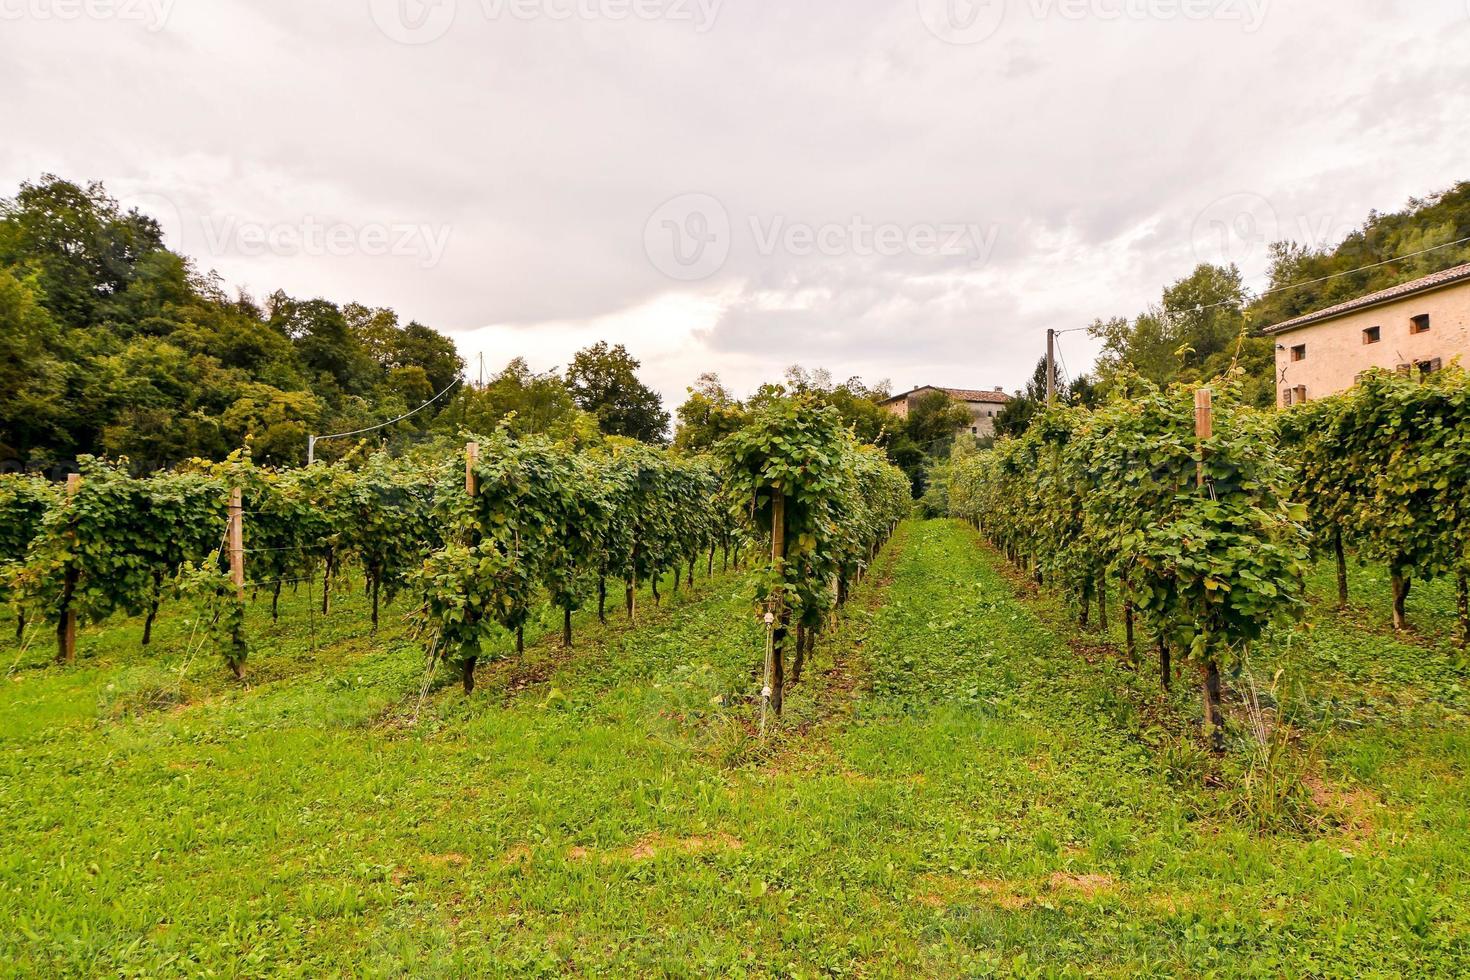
{"points": [[964, 784]]}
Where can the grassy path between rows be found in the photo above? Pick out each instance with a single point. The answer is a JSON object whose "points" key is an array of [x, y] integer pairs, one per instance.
{"points": [[955, 791]]}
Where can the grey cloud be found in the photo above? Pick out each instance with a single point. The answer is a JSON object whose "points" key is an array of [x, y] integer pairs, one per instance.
{"points": [[544, 147]]}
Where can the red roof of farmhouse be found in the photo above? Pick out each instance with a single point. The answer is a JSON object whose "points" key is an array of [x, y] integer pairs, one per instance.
{"points": [[962, 394], [1448, 277]]}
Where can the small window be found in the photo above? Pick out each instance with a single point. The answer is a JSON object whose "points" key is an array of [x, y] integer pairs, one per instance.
{"points": [[1286, 397], [1372, 335], [1419, 324], [1299, 352], [1301, 395], [974, 430], [1427, 368]]}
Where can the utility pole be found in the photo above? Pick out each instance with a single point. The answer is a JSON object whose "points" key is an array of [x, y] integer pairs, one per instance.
{"points": [[482, 369], [1051, 366]]}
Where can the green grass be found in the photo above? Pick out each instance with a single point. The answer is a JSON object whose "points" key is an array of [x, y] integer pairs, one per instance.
{"points": [[956, 790]]}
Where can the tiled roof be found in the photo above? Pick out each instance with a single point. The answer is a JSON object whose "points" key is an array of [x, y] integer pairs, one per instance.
{"points": [[1459, 273], [962, 394]]}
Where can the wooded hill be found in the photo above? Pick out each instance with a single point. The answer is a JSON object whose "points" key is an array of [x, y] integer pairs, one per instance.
{"points": [[110, 343]]}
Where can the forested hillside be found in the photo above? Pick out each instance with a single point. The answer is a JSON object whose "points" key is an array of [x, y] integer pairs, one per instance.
{"points": [[111, 343], [1193, 332]]}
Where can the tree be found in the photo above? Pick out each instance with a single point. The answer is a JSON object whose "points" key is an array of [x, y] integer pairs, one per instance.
{"points": [[603, 381], [540, 403], [111, 343], [709, 414], [927, 435]]}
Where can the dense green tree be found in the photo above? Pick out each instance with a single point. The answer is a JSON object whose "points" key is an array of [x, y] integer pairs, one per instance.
{"points": [[708, 415], [524, 402], [603, 380], [110, 343]]}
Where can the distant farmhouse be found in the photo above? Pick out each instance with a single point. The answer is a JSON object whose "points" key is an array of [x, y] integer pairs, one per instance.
{"points": [[1415, 327], [984, 406]]}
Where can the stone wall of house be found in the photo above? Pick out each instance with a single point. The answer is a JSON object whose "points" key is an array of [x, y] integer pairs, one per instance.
{"points": [[1324, 358]]}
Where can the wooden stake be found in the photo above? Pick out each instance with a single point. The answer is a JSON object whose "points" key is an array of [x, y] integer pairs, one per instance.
{"points": [[776, 680], [66, 629], [471, 457], [237, 542], [1204, 426], [1204, 429]]}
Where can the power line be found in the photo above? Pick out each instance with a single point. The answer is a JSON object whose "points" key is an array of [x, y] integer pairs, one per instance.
{"points": [[311, 441], [1310, 282], [1336, 275]]}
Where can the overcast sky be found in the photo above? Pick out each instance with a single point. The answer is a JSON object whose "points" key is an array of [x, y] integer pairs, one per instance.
{"points": [[898, 189]]}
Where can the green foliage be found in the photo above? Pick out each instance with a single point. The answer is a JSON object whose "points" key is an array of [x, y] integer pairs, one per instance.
{"points": [[110, 343], [1209, 568], [603, 380], [24, 501], [709, 414], [525, 402], [927, 434], [1337, 274], [839, 501], [1386, 464], [983, 801]]}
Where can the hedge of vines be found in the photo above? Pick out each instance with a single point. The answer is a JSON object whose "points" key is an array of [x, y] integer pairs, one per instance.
{"points": [[1112, 498], [24, 502], [838, 503], [546, 523], [121, 544], [1199, 536], [1384, 472]]}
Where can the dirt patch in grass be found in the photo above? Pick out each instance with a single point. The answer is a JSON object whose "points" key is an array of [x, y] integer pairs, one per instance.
{"points": [[1353, 810], [945, 890], [651, 846], [452, 859], [942, 891], [1088, 886]]}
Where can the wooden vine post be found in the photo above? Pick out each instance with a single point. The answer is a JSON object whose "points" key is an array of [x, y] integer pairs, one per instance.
{"points": [[472, 489], [1204, 430], [236, 542], [776, 614], [66, 626]]}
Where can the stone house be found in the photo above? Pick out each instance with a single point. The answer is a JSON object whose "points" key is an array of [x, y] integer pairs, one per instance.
{"points": [[1415, 326], [984, 406]]}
